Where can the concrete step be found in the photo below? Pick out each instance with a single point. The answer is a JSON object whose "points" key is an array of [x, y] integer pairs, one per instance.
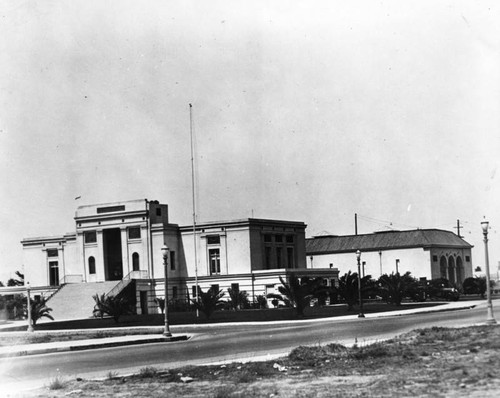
{"points": [[74, 300]]}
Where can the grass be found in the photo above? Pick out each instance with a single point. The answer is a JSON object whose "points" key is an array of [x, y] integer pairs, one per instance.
{"points": [[425, 362], [57, 383]]}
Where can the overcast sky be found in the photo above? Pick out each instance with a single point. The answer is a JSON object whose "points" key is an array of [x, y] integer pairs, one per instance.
{"points": [[307, 111]]}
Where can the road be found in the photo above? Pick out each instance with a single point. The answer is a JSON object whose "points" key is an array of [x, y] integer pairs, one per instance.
{"points": [[216, 343]]}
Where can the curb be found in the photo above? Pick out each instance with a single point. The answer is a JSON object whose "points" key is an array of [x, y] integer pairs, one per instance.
{"points": [[75, 346]]}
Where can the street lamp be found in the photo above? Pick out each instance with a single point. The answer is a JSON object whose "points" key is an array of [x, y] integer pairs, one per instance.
{"points": [[30, 324], [164, 251], [361, 315], [397, 266], [490, 319]]}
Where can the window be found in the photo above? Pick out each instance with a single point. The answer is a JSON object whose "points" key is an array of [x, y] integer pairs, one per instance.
{"points": [[278, 238], [134, 233], [215, 288], [435, 258], [110, 209], [289, 255], [158, 211], [268, 238], [213, 240], [90, 237], [267, 257], [135, 262], [235, 287], [172, 261], [214, 259], [54, 273], [467, 258], [289, 239], [51, 252], [278, 257], [193, 293], [91, 265], [174, 292]]}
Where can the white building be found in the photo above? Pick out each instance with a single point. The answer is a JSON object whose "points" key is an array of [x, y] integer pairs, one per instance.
{"points": [[426, 253], [121, 243]]}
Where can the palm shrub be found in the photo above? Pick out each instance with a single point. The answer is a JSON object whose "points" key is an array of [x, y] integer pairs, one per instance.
{"points": [[161, 304], [298, 293], [397, 286], [261, 302], [112, 306], [348, 288], [40, 310], [238, 299], [99, 304], [209, 301]]}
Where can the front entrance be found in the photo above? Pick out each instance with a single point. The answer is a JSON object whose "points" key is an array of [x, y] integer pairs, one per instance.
{"points": [[113, 267]]}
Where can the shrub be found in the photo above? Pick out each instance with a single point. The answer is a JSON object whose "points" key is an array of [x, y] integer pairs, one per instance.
{"points": [[110, 305], [209, 301], [148, 371], [56, 384]]}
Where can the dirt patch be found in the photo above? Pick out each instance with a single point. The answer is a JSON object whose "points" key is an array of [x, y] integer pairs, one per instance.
{"points": [[437, 362]]}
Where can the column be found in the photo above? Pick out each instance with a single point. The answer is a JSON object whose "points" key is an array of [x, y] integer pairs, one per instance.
{"points": [[100, 263], [125, 263]]}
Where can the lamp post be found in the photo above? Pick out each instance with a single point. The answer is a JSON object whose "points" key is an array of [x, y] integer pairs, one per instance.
{"points": [[490, 319], [397, 266], [30, 324], [164, 252], [360, 315]]}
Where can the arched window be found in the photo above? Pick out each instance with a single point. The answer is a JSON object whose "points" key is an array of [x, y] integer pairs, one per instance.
{"points": [[451, 270], [460, 270], [135, 262], [91, 265]]}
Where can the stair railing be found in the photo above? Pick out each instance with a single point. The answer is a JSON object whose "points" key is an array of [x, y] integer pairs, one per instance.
{"points": [[126, 280]]}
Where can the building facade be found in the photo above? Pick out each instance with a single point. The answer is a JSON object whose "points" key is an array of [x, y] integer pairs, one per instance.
{"points": [[122, 242], [426, 253]]}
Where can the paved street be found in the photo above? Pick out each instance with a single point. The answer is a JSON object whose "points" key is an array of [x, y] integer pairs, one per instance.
{"points": [[217, 343]]}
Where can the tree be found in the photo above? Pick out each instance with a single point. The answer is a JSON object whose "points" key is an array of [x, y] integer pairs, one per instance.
{"points": [[209, 301], [476, 285], [16, 282], [298, 293], [397, 286], [348, 288], [40, 310], [238, 299]]}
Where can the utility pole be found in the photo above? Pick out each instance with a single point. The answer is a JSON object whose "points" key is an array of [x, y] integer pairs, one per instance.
{"points": [[355, 223], [458, 229]]}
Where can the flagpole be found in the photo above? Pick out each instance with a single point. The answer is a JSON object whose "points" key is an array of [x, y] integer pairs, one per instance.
{"points": [[194, 207]]}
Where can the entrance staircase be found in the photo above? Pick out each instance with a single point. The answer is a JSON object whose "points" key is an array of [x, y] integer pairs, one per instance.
{"points": [[74, 300]]}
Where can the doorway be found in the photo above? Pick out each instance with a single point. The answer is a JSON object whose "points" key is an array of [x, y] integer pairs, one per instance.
{"points": [[144, 302], [113, 266]]}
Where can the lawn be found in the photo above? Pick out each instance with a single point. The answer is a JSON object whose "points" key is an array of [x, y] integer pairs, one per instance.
{"points": [[437, 362]]}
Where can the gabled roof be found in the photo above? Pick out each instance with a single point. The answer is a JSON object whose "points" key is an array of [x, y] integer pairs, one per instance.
{"points": [[388, 240]]}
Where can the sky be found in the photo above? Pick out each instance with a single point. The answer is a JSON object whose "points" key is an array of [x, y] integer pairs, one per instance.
{"points": [[304, 111]]}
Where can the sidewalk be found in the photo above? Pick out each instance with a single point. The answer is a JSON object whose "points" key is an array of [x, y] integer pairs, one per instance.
{"points": [[75, 345]]}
